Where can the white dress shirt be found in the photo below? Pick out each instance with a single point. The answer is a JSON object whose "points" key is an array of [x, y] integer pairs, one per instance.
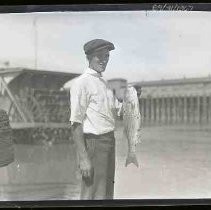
{"points": [[93, 103]]}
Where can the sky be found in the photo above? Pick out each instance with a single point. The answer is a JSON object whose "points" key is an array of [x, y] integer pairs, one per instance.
{"points": [[149, 45]]}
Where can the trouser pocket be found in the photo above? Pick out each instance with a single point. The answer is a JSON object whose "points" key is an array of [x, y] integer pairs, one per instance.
{"points": [[90, 147]]}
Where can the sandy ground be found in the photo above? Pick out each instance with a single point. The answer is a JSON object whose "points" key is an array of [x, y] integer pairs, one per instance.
{"points": [[175, 162]]}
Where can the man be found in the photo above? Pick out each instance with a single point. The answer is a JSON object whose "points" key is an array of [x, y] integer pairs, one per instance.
{"points": [[93, 110]]}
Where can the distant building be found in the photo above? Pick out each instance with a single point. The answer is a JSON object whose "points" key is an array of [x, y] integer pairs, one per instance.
{"points": [[32, 96], [178, 101]]}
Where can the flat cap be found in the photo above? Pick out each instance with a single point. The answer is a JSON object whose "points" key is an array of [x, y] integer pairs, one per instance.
{"points": [[97, 44]]}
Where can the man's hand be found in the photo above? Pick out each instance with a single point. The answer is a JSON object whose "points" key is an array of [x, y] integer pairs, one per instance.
{"points": [[87, 171], [85, 167], [83, 158], [131, 158]]}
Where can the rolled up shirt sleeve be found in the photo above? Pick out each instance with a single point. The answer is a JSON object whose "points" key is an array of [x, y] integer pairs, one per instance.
{"points": [[78, 102]]}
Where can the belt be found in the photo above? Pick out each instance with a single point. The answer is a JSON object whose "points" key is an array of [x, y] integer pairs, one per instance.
{"points": [[90, 135]]}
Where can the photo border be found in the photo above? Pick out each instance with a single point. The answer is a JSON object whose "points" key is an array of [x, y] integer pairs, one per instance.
{"points": [[106, 7]]}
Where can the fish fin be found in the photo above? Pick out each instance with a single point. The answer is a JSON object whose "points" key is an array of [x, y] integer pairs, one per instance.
{"points": [[132, 159]]}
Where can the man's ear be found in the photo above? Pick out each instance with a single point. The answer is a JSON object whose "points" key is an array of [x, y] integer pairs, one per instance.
{"points": [[89, 57]]}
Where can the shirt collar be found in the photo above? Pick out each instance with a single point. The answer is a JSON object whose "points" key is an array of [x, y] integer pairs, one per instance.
{"points": [[93, 72]]}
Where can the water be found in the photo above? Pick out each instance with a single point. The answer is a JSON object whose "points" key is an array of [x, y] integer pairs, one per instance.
{"points": [[174, 163], [43, 173]]}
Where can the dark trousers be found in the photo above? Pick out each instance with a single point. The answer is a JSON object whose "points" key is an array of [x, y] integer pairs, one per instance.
{"points": [[101, 150]]}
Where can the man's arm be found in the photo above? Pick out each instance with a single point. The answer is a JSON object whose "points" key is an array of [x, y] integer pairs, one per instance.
{"points": [[84, 161], [78, 106]]}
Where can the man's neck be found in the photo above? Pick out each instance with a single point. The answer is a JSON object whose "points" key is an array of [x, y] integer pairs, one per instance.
{"points": [[93, 72]]}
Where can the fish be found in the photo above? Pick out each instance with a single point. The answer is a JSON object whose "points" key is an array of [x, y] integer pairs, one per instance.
{"points": [[131, 123]]}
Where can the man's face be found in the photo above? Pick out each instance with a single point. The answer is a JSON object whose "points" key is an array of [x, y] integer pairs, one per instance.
{"points": [[99, 60]]}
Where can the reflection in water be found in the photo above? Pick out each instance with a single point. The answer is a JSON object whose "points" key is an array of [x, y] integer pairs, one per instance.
{"points": [[41, 172]]}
